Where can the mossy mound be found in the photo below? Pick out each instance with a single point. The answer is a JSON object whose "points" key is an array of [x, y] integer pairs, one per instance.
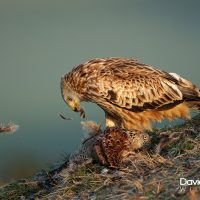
{"points": [[148, 174]]}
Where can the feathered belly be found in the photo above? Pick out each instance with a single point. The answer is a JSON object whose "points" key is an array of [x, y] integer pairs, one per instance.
{"points": [[142, 120]]}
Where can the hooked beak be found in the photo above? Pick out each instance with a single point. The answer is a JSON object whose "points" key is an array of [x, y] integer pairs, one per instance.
{"points": [[76, 108]]}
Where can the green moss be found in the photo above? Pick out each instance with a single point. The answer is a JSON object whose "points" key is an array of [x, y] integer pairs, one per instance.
{"points": [[17, 189], [84, 178]]}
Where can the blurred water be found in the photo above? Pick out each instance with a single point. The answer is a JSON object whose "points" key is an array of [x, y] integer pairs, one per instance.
{"points": [[43, 39]]}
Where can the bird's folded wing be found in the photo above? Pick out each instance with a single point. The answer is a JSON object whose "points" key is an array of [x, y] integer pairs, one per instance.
{"points": [[140, 88]]}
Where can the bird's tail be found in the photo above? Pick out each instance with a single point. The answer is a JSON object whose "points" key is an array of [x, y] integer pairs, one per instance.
{"points": [[192, 97], [191, 93], [194, 105]]}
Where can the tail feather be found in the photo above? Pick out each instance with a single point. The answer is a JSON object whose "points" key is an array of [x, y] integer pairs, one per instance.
{"points": [[194, 105], [191, 93]]}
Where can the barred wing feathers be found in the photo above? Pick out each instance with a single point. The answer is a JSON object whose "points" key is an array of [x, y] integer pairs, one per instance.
{"points": [[138, 88]]}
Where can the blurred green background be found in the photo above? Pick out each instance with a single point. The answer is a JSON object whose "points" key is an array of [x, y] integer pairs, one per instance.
{"points": [[40, 40]]}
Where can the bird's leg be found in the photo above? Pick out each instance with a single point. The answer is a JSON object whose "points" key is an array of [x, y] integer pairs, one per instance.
{"points": [[99, 153], [109, 121], [127, 154]]}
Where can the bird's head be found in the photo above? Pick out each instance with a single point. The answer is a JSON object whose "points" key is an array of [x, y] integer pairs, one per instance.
{"points": [[70, 97]]}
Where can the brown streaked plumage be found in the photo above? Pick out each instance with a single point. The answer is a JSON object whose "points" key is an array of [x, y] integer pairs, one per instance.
{"points": [[110, 147], [132, 94], [115, 144]]}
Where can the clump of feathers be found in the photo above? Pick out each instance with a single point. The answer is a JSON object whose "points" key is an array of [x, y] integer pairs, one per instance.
{"points": [[91, 127], [8, 129]]}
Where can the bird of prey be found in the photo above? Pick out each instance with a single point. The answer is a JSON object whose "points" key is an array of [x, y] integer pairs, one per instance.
{"points": [[131, 94]]}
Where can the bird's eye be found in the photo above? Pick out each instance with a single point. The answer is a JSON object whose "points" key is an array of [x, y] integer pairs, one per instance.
{"points": [[69, 99], [145, 137]]}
